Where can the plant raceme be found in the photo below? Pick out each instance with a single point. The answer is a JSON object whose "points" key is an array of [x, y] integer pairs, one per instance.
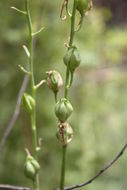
{"points": [[72, 60]]}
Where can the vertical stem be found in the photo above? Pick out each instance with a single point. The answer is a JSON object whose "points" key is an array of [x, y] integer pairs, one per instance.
{"points": [[63, 167], [72, 33], [55, 97], [73, 24], [64, 148], [66, 84], [33, 91]]}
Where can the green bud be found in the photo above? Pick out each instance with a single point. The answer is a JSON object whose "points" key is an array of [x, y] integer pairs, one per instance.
{"points": [[83, 6], [28, 102], [63, 109], [54, 81], [72, 59], [64, 133], [29, 170]]}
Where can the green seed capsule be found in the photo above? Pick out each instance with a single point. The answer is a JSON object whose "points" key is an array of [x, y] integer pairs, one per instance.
{"points": [[63, 109], [28, 102], [83, 6], [54, 81], [29, 170], [72, 59], [34, 163], [64, 133]]}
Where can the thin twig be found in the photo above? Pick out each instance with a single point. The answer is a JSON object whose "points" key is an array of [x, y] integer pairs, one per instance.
{"points": [[100, 172], [10, 187], [15, 115]]}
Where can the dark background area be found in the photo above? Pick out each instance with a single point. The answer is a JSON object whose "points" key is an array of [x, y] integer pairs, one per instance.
{"points": [[118, 9]]}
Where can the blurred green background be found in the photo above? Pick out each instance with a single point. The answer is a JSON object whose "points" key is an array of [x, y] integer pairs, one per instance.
{"points": [[98, 95]]}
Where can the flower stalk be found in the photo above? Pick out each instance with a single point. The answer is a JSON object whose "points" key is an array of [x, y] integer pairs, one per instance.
{"points": [[33, 89], [67, 86], [72, 33], [64, 150]]}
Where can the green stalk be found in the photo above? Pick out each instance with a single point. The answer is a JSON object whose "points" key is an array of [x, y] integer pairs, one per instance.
{"points": [[73, 24], [33, 91], [72, 33], [64, 149]]}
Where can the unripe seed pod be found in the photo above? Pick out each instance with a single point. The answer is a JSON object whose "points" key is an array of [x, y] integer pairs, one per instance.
{"points": [[64, 133], [54, 81], [72, 59], [34, 163], [83, 6], [63, 109], [28, 102], [29, 170]]}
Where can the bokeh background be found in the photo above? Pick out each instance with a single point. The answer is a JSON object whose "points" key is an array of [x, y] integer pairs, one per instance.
{"points": [[98, 95]]}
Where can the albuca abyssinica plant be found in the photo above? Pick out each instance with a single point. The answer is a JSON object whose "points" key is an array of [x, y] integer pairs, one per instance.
{"points": [[72, 59], [63, 107]]}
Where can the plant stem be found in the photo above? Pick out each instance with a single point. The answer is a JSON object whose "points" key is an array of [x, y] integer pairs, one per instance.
{"points": [[64, 149], [73, 24], [33, 91], [66, 84], [72, 33], [66, 94]]}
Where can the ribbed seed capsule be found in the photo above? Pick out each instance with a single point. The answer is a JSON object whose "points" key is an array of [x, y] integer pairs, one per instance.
{"points": [[34, 163], [72, 59], [31, 168], [83, 6], [54, 81], [64, 133], [28, 102], [63, 109]]}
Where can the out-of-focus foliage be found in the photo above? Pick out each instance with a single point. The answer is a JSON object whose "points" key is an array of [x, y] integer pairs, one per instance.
{"points": [[98, 95]]}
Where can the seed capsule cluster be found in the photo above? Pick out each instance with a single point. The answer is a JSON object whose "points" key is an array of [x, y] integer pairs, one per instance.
{"points": [[72, 60]]}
